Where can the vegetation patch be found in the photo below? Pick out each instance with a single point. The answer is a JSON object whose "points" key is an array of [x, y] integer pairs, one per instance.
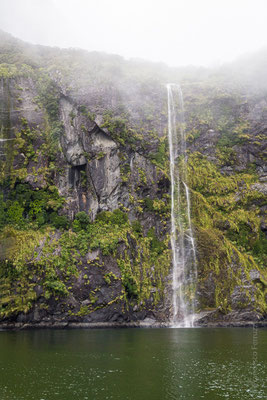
{"points": [[227, 225]]}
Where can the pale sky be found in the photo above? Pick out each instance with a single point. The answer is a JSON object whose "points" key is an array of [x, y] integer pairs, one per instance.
{"points": [[177, 32]]}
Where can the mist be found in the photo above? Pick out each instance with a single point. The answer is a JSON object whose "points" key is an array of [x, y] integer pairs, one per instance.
{"points": [[178, 33]]}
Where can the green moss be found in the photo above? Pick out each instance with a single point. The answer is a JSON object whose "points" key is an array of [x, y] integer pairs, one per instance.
{"points": [[144, 265], [227, 226]]}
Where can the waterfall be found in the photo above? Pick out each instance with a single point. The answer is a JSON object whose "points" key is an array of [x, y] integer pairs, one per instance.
{"points": [[2, 143], [184, 276]]}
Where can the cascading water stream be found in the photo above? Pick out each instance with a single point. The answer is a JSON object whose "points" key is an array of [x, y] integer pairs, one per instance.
{"points": [[2, 143], [184, 276]]}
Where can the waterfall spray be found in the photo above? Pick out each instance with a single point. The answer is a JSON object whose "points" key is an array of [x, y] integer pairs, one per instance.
{"points": [[184, 275]]}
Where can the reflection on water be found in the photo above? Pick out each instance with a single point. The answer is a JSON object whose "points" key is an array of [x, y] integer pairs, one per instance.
{"points": [[132, 364]]}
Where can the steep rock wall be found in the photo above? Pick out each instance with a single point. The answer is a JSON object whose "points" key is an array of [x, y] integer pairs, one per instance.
{"points": [[85, 205]]}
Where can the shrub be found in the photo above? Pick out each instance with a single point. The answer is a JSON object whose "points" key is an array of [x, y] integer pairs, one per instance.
{"points": [[130, 286], [117, 217], [81, 221], [149, 204], [59, 221], [15, 213], [2, 211], [57, 287], [156, 246], [103, 216], [137, 227]]}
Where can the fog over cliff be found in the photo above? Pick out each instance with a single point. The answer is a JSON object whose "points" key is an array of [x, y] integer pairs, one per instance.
{"points": [[206, 33]]}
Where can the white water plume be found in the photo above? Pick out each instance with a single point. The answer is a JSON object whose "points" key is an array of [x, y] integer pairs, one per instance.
{"points": [[184, 275]]}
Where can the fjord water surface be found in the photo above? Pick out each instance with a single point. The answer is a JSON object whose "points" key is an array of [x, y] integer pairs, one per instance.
{"points": [[134, 364]]}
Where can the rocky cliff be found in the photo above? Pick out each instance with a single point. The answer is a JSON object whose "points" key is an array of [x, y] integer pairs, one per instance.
{"points": [[85, 204]]}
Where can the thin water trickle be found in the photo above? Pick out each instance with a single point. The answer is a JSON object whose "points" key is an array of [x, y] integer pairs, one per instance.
{"points": [[2, 143], [131, 162], [184, 275]]}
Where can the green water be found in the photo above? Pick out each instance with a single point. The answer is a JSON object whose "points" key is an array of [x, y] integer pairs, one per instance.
{"points": [[134, 364]]}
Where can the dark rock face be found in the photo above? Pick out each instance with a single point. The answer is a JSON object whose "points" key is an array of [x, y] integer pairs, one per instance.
{"points": [[91, 153], [101, 145]]}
